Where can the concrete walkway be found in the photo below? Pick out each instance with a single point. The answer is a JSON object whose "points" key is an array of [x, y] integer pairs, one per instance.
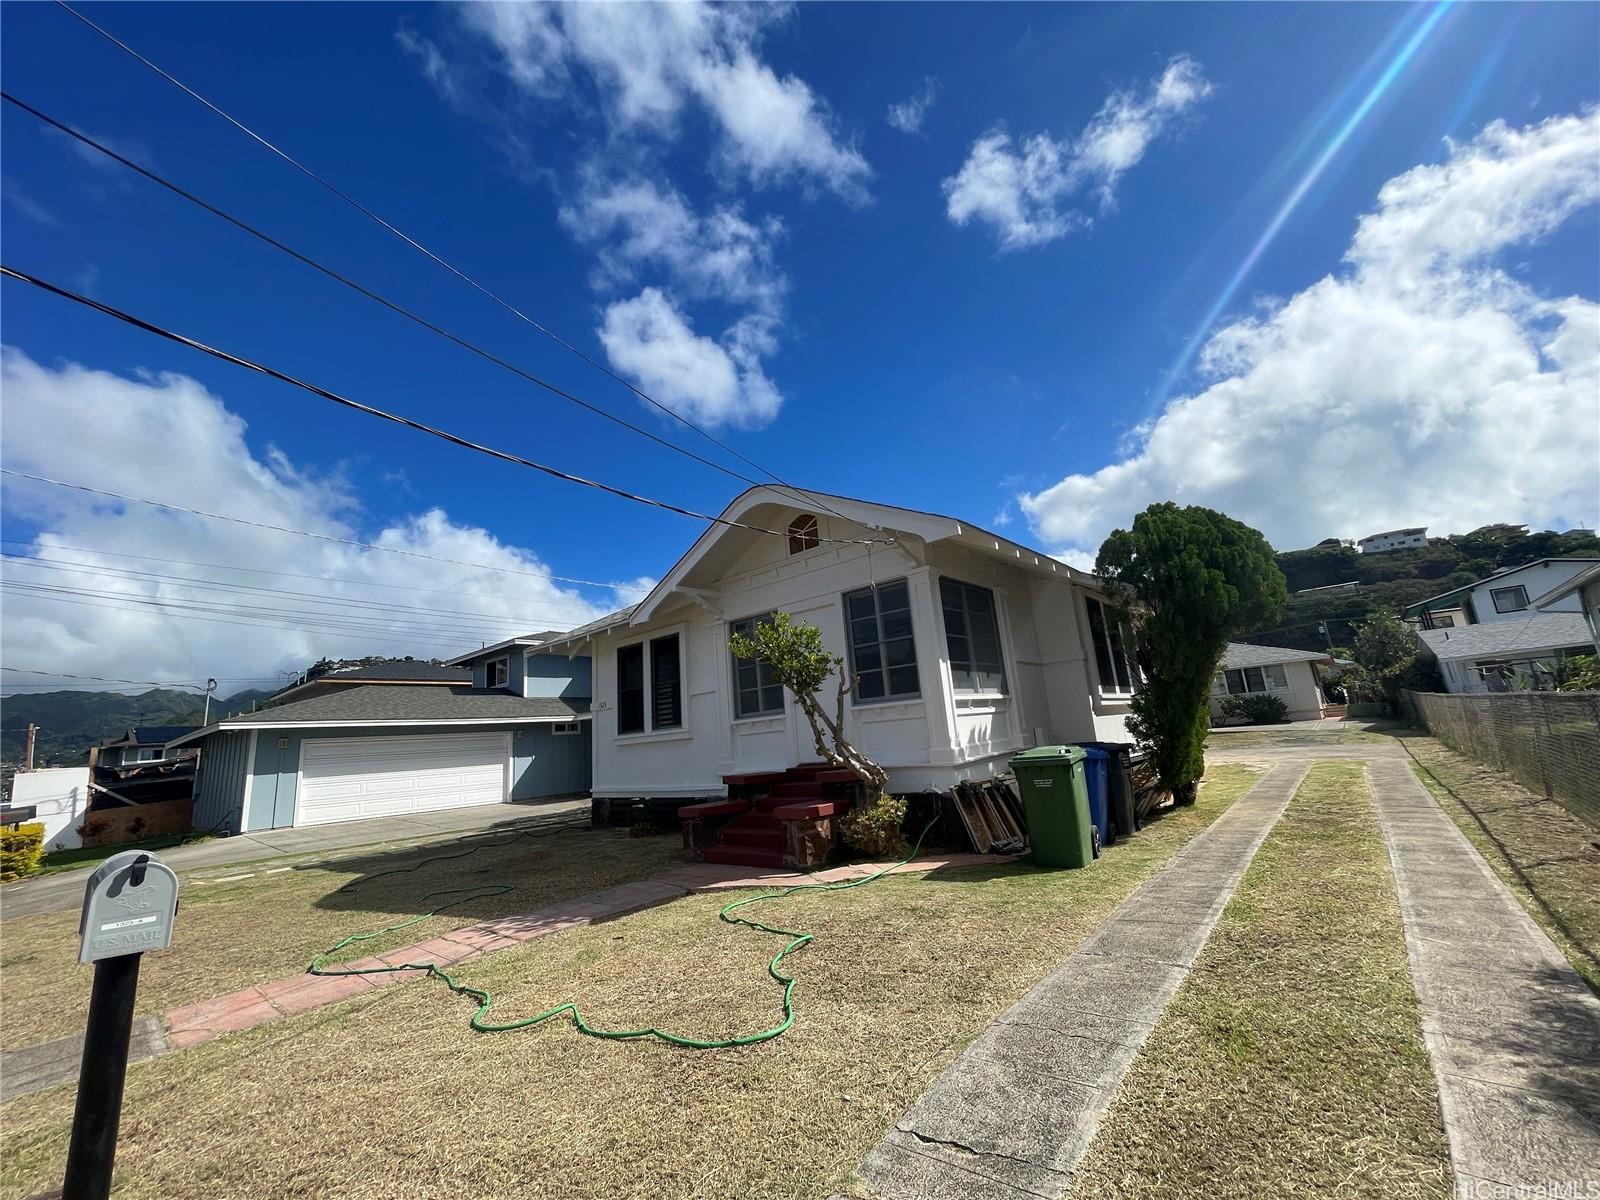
{"points": [[64, 890], [1013, 1116], [1513, 1032]]}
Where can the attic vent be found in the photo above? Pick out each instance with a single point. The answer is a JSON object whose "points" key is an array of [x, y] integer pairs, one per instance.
{"points": [[803, 534]]}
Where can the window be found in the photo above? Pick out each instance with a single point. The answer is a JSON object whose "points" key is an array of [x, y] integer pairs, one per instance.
{"points": [[1509, 599], [566, 728], [1113, 650], [1445, 622], [755, 692], [972, 637], [1242, 680], [143, 754], [630, 688], [883, 654], [497, 671], [666, 683], [803, 534]]}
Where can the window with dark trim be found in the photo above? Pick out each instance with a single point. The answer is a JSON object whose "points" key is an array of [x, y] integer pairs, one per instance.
{"points": [[1509, 599], [883, 653], [803, 534], [972, 637], [666, 683], [630, 688], [497, 673], [1243, 680], [755, 692], [1113, 649]]}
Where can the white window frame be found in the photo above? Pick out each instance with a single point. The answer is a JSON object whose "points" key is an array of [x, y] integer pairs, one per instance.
{"points": [[1108, 688], [805, 533], [734, 661], [650, 731], [1496, 593], [504, 663], [856, 699], [1267, 688], [566, 728], [137, 754], [996, 599]]}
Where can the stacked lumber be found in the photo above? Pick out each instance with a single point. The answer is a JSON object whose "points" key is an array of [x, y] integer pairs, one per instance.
{"points": [[992, 816]]}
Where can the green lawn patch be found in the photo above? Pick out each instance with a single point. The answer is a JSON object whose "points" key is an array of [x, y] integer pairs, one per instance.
{"points": [[390, 1094], [1291, 1061], [68, 860]]}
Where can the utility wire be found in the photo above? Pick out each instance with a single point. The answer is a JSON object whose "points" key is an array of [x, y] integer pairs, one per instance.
{"points": [[365, 291], [221, 585], [179, 683], [407, 422], [189, 562], [321, 537], [421, 249]]}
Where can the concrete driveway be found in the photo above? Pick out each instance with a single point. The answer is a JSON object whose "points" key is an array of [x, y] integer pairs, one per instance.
{"points": [[64, 890]]}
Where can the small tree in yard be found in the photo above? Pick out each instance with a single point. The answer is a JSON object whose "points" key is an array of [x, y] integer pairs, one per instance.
{"points": [[1386, 661], [1191, 579]]}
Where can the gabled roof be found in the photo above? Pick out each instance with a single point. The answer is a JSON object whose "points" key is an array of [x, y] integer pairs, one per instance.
{"points": [[1509, 638], [526, 639], [1243, 654], [1562, 590], [150, 735], [399, 670], [380, 705], [1500, 574]]}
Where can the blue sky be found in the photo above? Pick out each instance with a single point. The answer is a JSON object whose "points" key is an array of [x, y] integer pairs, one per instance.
{"points": [[981, 309]]}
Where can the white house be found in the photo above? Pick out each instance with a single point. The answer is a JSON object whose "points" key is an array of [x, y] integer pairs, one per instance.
{"points": [[1394, 539], [1507, 655], [1585, 586], [1290, 675], [968, 647], [1505, 595]]}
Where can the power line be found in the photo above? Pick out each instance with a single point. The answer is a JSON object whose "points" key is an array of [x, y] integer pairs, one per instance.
{"points": [[322, 537], [188, 562], [407, 422], [421, 249], [365, 291], [149, 682], [222, 585]]}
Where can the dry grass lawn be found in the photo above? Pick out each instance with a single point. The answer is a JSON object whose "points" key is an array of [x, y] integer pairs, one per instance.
{"points": [[232, 935], [1546, 854], [390, 1094], [1291, 1062]]}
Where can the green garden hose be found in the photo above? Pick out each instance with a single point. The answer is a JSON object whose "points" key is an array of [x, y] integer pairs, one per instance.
{"points": [[485, 1001]]}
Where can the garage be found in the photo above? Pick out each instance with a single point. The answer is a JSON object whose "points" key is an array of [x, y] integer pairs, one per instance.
{"points": [[352, 779]]}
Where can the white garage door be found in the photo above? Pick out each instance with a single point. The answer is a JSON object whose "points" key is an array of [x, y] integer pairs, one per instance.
{"points": [[351, 779]]}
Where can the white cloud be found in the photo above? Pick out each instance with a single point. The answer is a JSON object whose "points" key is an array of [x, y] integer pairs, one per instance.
{"points": [[167, 438], [641, 225], [908, 115], [650, 62], [707, 381], [1019, 187], [1421, 384]]}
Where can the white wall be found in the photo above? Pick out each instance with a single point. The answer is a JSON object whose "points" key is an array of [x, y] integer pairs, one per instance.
{"points": [[1300, 693], [927, 741], [61, 795], [1537, 580]]}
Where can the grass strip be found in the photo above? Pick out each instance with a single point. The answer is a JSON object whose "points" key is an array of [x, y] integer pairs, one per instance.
{"points": [[1544, 852], [390, 1094], [1291, 1061]]}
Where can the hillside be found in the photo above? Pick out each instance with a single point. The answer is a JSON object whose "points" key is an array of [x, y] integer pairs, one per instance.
{"points": [[70, 722], [1397, 579]]}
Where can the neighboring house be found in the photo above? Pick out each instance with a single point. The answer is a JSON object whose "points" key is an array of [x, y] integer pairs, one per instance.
{"points": [[1585, 587], [1518, 654], [1504, 596], [138, 747], [58, 798], [1394, 539], [1290, 675], [387, 750], [518, 665], [408, 672], [1352, 585], [967, 647]]}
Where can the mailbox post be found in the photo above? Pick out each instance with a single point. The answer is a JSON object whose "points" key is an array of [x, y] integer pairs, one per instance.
{"points": [[128, 908]]}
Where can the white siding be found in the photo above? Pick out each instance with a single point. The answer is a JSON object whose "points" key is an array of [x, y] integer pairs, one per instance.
{"points": [[1537, 579]]}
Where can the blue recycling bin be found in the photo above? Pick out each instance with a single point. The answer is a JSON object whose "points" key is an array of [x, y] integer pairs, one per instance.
{"points": [[1097, 782]]}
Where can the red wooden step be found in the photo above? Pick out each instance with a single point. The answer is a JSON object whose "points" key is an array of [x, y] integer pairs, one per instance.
{"points": [[754, 839], [740, 856]]}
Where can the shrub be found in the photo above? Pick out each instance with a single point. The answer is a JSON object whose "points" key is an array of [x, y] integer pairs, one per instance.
{"points": [[1579, 673], [1256, 708], [21, 848], [873, 828]]}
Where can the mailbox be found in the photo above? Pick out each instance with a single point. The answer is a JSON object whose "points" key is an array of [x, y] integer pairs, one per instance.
{"points": [[128, 907]]}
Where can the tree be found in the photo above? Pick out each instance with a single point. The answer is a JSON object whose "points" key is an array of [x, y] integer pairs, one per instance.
{"points": [[801, 663], [1190, 579], [1385, 653]]}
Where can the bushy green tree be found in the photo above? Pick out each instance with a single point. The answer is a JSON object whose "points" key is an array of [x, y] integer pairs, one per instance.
{"points": [[1190, 579], [1386, 659], [802, 664]]}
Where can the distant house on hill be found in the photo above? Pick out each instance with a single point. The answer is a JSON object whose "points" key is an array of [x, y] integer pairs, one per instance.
{"points": [[1394, 539]]}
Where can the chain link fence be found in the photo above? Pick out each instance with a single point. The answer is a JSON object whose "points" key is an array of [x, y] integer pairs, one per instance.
{"points": [[1547, 741]]}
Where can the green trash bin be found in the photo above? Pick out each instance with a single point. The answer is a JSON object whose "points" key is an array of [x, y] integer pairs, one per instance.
{"points": [[1056, 801]]}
